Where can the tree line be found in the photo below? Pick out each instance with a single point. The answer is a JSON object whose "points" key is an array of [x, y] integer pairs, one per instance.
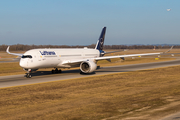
{"points": [[21, 47]]}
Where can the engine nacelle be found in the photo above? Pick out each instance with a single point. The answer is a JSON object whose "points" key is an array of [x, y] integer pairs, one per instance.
{"points": [[88, 66]]}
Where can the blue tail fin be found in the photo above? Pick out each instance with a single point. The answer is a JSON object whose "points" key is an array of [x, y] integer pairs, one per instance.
{"points": [[100, 42]]}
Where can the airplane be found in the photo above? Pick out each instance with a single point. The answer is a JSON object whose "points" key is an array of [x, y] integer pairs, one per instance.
{"points": [[85, 58]]}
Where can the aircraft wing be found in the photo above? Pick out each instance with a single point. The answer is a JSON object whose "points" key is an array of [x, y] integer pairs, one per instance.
{"points": [[103, 53], [132, 55], [78, 61], [17, 54], [74, 61], [123, 56]]}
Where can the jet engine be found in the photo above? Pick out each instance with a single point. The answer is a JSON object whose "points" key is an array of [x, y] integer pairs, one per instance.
{"points": [[88, 66]]}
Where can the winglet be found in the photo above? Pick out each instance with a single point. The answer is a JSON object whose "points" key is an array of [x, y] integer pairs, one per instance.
{"points": [[169, 49], [100, 42], [7, 50]]}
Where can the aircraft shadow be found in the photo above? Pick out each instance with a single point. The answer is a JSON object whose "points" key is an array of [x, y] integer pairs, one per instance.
{"points": [[44, 73]]}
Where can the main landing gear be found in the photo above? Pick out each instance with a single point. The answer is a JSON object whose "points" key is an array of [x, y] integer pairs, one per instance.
{"points": [[56, 71], [28, 74]]}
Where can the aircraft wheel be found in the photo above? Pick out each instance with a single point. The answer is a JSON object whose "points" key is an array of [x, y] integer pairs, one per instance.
{"points": [[59, 71], [27, 76], [98, 67], [30, 76], [53, 71]]}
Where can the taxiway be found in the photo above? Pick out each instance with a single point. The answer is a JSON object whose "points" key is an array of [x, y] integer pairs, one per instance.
{"points": [[7, 60], [46, 76]]}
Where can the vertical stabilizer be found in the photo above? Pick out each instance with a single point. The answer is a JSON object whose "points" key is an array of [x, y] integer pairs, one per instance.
{"points": [[100, 42]]}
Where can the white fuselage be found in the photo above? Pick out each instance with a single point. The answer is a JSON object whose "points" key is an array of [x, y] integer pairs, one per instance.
{"points": [[54, 58]]}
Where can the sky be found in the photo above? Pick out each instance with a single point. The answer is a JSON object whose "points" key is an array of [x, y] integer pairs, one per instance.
{"points": [[79, 22]]}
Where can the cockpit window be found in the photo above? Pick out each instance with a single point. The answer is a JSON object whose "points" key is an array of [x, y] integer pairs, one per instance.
{"points": [[26, 56]]}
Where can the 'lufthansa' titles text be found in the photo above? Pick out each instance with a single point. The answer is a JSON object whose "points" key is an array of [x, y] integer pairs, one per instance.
{"points": [[47, 52]]}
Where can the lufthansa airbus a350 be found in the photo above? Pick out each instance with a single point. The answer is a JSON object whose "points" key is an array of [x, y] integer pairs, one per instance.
{"points": [[84, 58]]}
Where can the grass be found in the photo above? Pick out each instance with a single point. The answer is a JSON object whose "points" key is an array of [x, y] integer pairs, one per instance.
{"points": [[145, 93], [10, 68]]}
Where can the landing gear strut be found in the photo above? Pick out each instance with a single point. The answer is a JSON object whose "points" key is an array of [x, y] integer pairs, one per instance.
{"points": [[56, 71], [28, 74]]}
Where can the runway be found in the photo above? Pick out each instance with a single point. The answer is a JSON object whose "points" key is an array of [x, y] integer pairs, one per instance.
{"points": [[46, 76]]}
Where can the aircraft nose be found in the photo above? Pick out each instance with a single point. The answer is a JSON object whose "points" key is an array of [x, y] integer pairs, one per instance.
{"points": [[22, 64]]}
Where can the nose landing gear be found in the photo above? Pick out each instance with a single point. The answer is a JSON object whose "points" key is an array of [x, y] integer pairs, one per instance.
{"points": [[28, 74]]}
